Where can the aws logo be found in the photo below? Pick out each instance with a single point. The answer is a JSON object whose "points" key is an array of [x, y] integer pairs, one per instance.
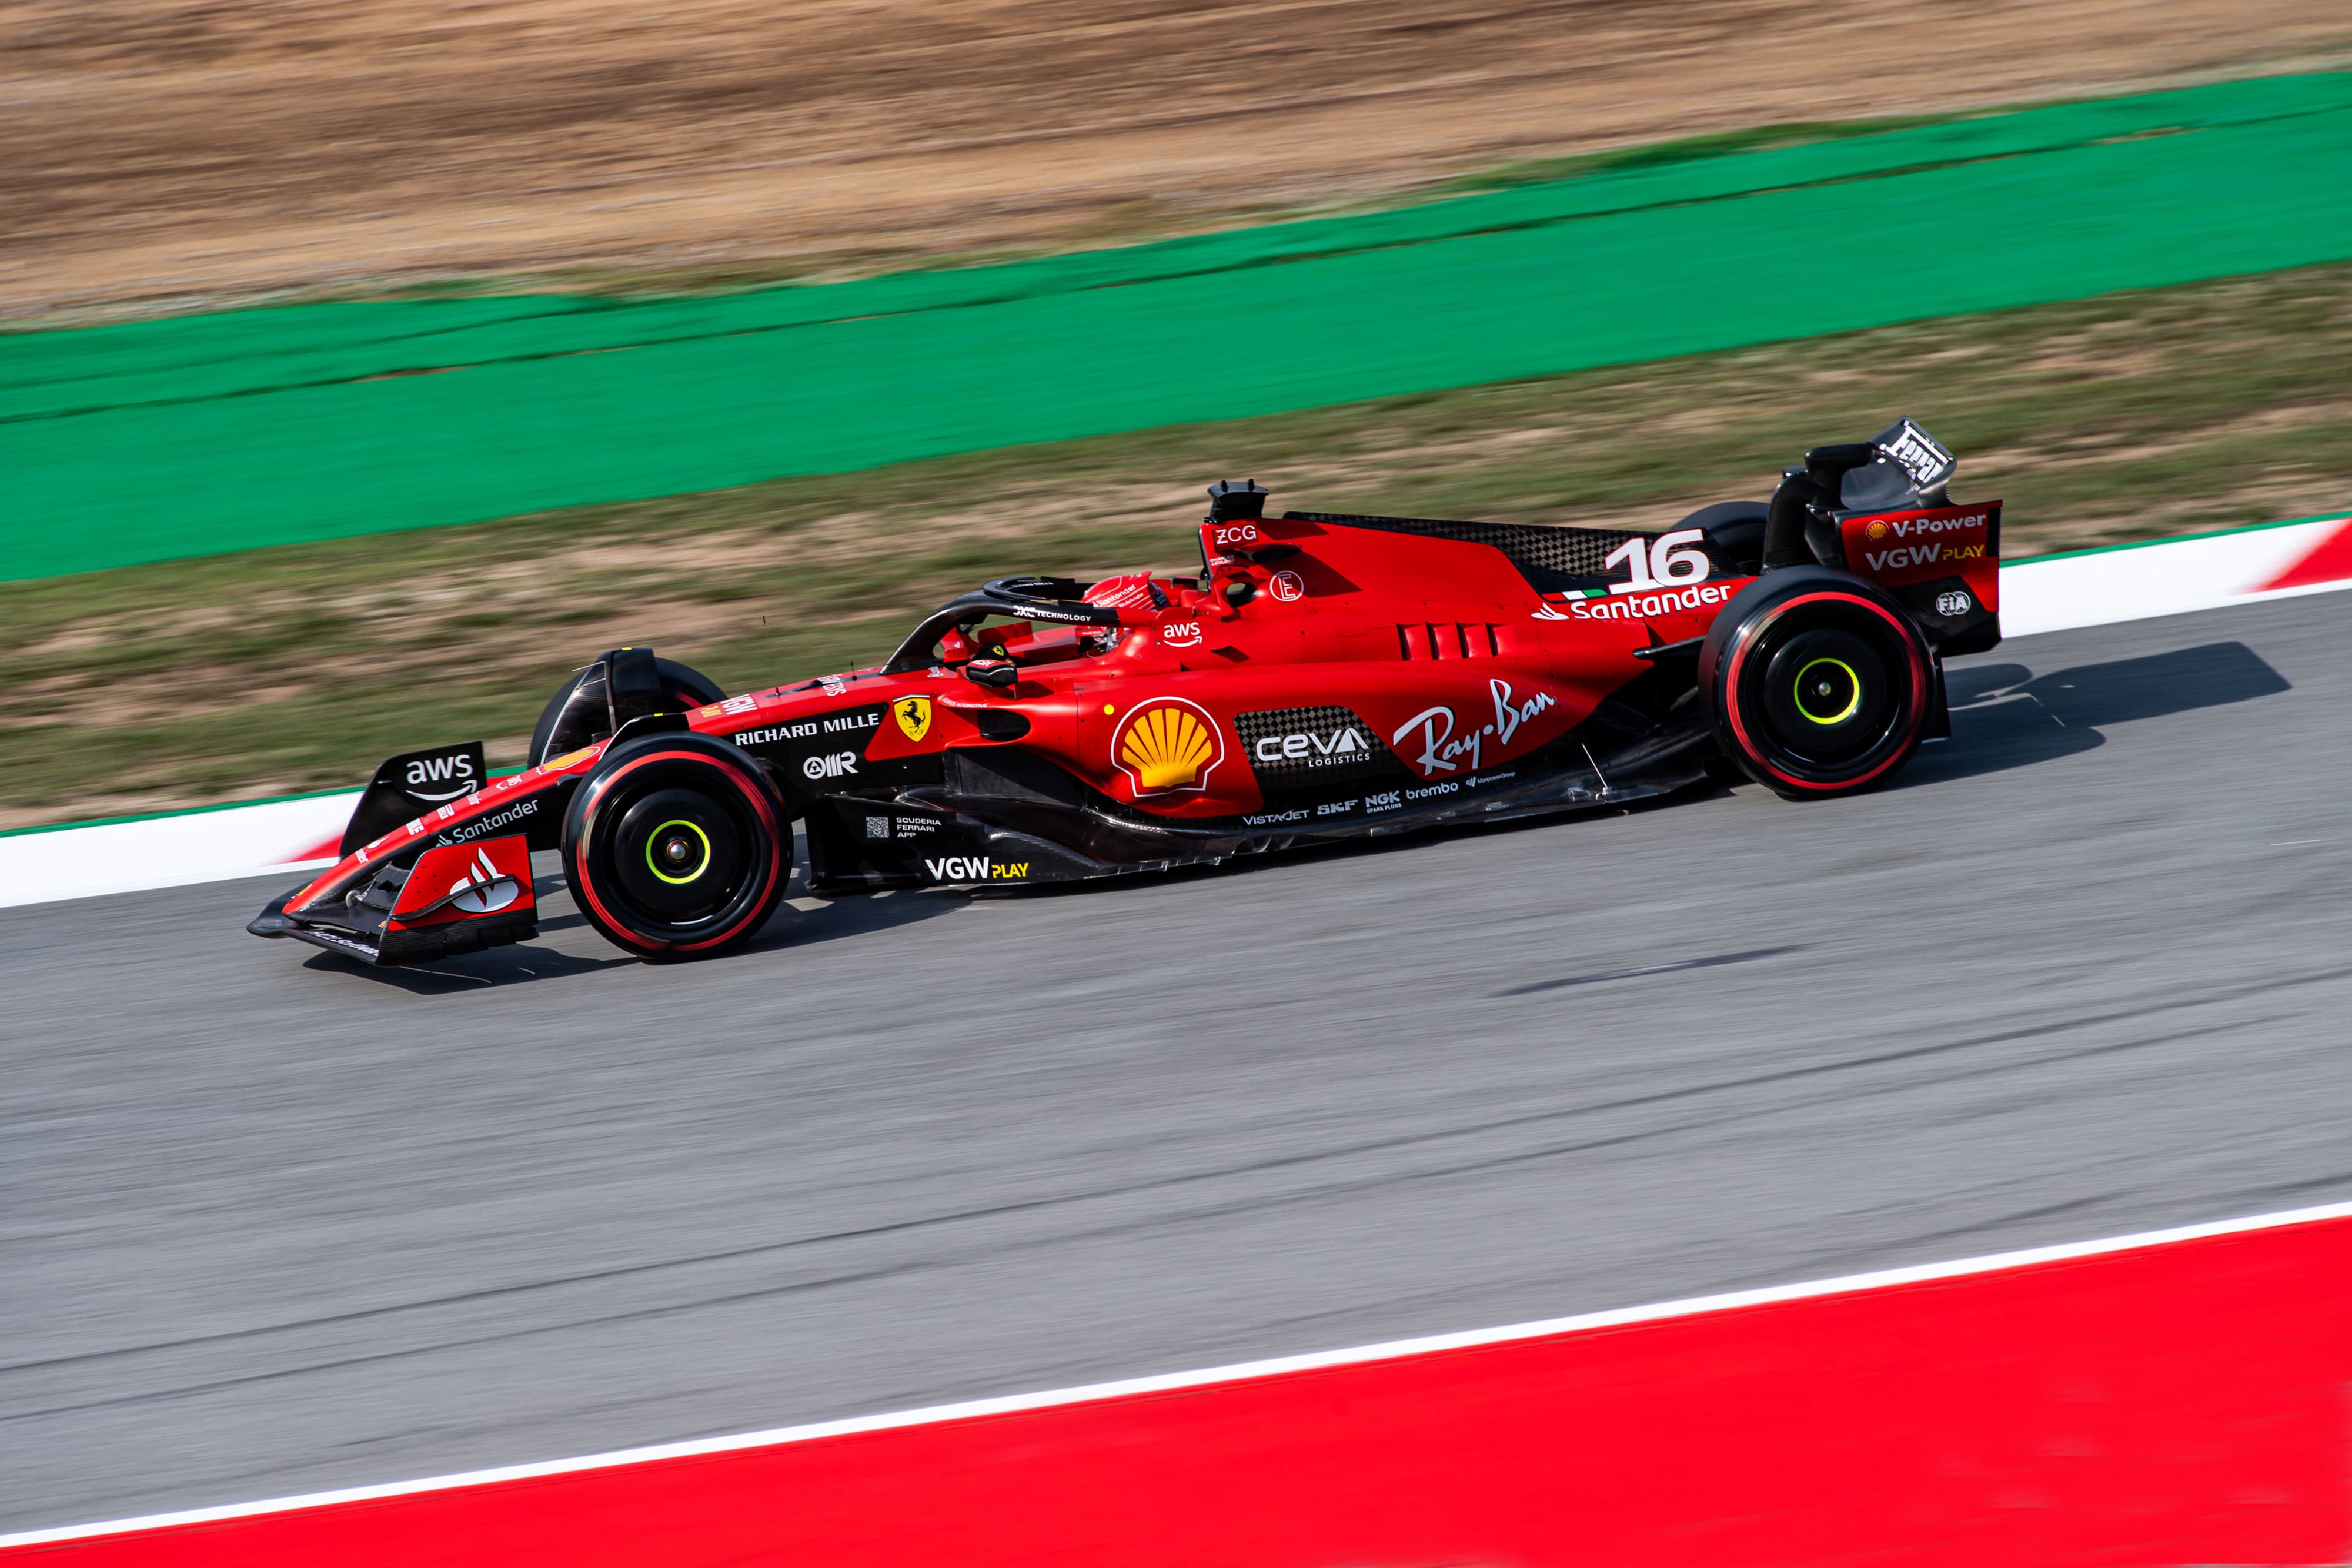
{"points": [[453, 771], [1166, 746]]}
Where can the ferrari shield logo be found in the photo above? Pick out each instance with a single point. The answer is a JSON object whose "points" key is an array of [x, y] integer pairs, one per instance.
{"points": [[914, 714]]}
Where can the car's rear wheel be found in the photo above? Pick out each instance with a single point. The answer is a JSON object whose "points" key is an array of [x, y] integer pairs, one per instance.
{"points": [[676, 847], [1817, 683]]}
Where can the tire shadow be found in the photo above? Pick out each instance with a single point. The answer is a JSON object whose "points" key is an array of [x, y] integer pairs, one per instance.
{"points": [[2004, 715]]}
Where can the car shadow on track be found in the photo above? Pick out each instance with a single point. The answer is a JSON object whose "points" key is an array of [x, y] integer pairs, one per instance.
{"points": [[2004, 715], [471, 971]]}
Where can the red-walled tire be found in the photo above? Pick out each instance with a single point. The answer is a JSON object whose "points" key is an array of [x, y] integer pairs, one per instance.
{"points": [[1817, 683], [678, 847]]}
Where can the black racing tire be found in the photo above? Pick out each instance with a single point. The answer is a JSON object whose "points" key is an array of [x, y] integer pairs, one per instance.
{"points": [[1734, 533], [676, 847], [685, 687], [1817, 684]]}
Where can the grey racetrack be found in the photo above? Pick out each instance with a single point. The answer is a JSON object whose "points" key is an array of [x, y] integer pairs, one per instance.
{"points": [[273, 1224]]}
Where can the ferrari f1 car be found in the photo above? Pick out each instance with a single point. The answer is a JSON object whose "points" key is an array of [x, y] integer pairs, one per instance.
{"points": [[1324, 676]]}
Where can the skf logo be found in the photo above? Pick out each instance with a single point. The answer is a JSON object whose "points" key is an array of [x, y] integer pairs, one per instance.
{"points": [[456, 770], [1166, 746], [831, 766], [914, 716]]}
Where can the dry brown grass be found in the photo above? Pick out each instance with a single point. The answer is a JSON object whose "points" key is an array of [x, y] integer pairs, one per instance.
{"points": [[179, 152]]}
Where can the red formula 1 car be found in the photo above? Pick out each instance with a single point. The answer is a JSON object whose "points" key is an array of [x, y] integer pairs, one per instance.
{"points": [[1325, 677]]}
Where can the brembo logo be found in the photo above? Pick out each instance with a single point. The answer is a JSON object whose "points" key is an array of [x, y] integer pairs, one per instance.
{"points": [[456, 770], [1167, 745], [1441, 751]]}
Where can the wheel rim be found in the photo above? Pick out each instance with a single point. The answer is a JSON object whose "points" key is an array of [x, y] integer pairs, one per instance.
{"points": [[1830, 684], [682, 853], [1827, 691], [678, 852]]}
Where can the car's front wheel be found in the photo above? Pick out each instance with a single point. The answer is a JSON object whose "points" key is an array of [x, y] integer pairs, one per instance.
{"points": [[676, 847]]}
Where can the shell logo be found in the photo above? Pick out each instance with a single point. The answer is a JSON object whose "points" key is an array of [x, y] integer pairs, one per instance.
{"points": [[1166, 744], [1875, 531]]}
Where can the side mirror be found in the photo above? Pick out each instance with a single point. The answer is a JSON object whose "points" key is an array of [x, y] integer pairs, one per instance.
{"points": [[997, 673]]}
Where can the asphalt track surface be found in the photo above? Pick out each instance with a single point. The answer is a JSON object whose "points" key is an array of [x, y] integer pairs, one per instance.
{"points": [[274, 1224]]}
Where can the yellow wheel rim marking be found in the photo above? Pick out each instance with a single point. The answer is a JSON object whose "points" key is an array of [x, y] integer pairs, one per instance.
{"points": [[1852, 703], [698, 871]]}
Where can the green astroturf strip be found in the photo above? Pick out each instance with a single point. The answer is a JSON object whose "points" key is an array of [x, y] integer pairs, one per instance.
{"points": [[202, 435]]}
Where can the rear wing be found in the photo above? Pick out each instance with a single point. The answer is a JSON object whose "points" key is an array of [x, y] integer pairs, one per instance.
{"points": [[1883, 510], [1943, 563]]}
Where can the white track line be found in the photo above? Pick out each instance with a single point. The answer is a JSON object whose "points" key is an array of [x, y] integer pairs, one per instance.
{"points": [[1394, 1350]]}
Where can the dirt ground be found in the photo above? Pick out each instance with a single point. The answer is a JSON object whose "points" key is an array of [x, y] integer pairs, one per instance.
{"points": [[179, 152]]}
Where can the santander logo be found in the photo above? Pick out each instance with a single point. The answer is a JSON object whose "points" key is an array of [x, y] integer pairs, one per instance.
{"points": [[483, 888]]}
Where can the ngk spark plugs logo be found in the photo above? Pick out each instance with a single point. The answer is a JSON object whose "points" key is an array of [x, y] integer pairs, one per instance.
{"points": [[1167, 745], [1434, 744]]}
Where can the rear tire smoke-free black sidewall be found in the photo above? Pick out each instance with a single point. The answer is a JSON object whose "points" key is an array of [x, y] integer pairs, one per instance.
{"points": [[678, 847], [1817, 683]]}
